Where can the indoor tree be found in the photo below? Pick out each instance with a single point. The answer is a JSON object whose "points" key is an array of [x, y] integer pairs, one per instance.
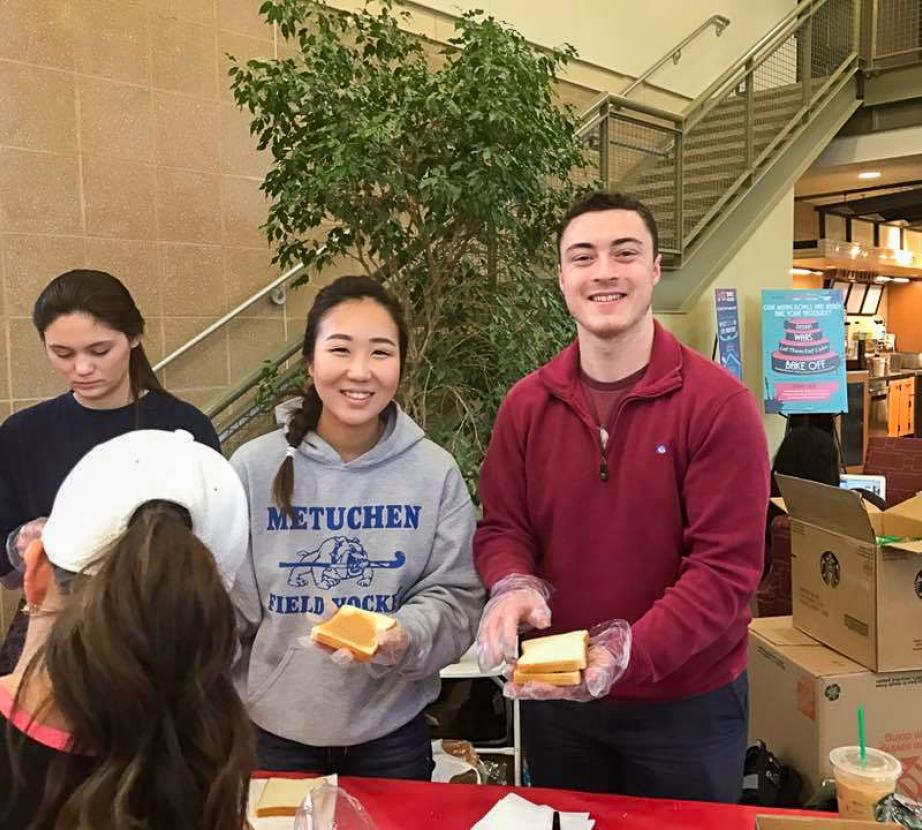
{"points": [[441, 171]]}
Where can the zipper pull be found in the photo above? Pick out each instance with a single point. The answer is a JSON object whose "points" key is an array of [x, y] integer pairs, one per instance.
{"points": [[603, 443]]}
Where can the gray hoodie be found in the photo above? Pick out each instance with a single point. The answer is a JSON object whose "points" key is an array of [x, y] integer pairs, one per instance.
{"points": [[389, 531]]}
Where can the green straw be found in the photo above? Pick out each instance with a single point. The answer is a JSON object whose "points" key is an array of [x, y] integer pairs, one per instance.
{"points": [[861, 741]]}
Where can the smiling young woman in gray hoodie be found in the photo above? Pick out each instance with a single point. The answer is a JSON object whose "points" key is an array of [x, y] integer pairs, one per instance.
{"points": [[351, 504]]}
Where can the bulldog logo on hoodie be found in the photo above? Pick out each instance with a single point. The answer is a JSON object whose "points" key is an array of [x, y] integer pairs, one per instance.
{"points": [[338, 559]]}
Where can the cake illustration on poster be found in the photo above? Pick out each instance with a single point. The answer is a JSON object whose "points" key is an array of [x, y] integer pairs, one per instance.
{"points": [[803, 351]]}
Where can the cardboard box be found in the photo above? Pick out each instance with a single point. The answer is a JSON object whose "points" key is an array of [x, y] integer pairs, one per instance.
{"points": [[818, 823], [804, 697], [859, 597], [815, 823]]}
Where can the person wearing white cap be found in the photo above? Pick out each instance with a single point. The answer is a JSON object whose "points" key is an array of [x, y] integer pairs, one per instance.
{"points": [[121, 712], [92, 332]]}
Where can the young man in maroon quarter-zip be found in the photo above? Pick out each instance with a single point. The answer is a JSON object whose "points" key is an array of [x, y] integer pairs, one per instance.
{"points": [[627, 480]]}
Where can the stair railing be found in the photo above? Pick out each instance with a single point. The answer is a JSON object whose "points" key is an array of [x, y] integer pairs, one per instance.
{"points": [[802, 62], [270, 289], [895, 33], [717, 21], [812, 51]]}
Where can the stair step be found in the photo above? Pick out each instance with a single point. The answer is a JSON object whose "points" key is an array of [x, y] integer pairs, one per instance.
{"points": [[714, 151], [771, 95], [738, 108], [705, 132], [714, 182], [700, 144]]}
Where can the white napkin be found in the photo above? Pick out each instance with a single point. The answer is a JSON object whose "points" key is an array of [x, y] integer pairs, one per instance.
{"points": [[512, 812]]}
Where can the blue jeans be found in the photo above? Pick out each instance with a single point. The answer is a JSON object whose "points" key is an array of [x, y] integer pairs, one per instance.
{"points": [[404, 753], [690, 749]]}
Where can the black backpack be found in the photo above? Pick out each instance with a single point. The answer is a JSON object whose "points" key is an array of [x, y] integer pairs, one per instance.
{"points": [[767, 782]]}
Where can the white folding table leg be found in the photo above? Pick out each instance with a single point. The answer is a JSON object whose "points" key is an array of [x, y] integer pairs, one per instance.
{"points": [[517, 743]]}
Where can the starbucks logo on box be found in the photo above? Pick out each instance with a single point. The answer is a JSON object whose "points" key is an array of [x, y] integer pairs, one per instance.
{"points": [[830, 569]]}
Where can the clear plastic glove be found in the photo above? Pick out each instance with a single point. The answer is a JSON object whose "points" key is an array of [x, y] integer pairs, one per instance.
{"points": [[16, 545], [517, 603], [20, 539], [607, 658], [329, 807], [393, 645]]}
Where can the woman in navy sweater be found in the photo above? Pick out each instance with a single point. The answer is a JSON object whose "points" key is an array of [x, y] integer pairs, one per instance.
{"points": [[91, 330]]}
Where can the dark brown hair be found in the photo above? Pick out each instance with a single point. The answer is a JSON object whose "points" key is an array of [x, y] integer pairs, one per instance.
{"points": [[107, 300], [603, 200], [139, 664], [306, 418]]}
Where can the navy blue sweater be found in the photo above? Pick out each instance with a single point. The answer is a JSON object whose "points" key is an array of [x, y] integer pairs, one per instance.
{"points": [[40, 445]]}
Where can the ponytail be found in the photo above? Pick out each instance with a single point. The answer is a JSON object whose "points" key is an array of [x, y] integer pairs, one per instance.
{"points": [[139, 663], [303, 421], [141, 374]]}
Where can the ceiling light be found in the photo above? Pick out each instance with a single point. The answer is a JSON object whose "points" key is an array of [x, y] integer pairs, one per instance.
{"points": [[899, 279], [881, 280], [803, 272], [869, 174]]}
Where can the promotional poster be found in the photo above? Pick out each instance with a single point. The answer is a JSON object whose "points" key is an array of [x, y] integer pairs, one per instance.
{"points": [[728, 331], [803, 351]]}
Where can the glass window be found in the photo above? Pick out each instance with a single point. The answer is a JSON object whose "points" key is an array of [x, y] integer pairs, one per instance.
{"points": [[872, 299], [843, 286], [855, 298]]}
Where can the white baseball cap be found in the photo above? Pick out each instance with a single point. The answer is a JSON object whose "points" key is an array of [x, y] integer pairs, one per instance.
{"points": [[104, 489]]}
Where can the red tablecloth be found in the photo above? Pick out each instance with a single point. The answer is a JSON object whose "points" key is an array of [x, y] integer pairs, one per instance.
{"points": [[407, 805]]}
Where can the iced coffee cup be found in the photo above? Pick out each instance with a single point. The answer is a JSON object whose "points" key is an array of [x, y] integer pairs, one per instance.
{"points": [[860, 785]]}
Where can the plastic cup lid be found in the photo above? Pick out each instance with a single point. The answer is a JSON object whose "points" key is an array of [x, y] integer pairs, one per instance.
{"points": [[877, 764]]}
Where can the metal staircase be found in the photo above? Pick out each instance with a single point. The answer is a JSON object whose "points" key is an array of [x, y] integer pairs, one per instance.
{"points": [[696, 169], [712, 172]]}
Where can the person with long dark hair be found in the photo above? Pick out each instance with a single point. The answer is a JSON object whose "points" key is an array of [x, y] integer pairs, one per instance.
{"points": [[351, 504], [91, 331], [121, 712]]}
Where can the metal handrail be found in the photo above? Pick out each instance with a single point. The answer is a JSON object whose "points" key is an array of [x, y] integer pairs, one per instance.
{"points": [[874, 52], [595, 113], [718, 21], [291, 273], [251, 380]]}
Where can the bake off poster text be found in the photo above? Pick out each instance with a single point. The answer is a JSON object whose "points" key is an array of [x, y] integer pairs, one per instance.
{"points": [[803, 351]]}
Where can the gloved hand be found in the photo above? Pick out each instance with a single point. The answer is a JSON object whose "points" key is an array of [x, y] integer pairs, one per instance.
{"points": [[607, 658], [19, 540], [16, 544], [393, 646], [517, 603]]}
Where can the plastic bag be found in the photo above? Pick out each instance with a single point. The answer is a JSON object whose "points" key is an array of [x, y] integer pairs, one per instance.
{"points": [[900, 809], [329, 807]]}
